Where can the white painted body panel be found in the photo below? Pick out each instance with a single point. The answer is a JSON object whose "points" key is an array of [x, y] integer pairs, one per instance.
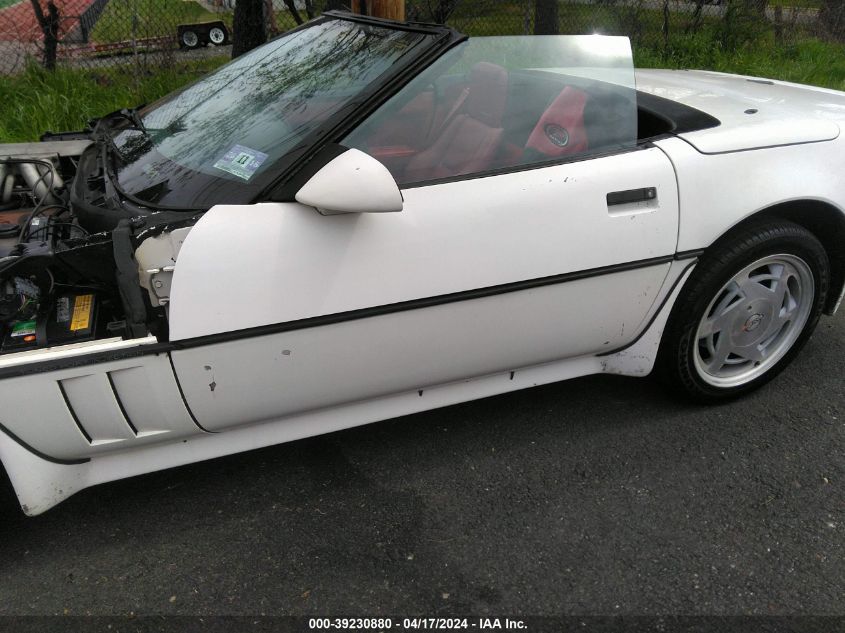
{"points": [[449, 238], [719, 191], [52, 411]]}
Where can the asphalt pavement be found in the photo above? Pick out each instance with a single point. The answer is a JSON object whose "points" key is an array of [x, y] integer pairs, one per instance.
{"points": [[602, 495]]}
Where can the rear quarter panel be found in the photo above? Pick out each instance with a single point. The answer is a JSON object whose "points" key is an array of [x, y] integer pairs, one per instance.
{"points": [[718, 191]]}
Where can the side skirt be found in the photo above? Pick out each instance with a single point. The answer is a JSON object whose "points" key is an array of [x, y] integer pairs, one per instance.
{"points": [[40, 484]]}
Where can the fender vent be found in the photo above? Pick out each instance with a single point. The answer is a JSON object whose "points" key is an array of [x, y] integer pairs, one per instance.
{"points": [[97, 410]]}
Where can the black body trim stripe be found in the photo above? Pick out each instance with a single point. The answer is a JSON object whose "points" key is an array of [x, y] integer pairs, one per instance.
{"points": [[184, 399], [72, 412], [339, 317], [414, 304], [39, 454], [414, 26], [653, 316], [120, 404], [693, 254]]}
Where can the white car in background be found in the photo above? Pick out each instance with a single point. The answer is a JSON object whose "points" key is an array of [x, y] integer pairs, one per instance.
{"points": [[363, 219]]}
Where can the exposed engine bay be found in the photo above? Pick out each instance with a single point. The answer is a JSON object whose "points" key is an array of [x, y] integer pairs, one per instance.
{"points": [[77, 263]]}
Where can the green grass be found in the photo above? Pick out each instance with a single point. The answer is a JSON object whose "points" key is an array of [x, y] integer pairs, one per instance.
{"points": [[804, 4], [66, 99], [7, 3], [807, 61]]}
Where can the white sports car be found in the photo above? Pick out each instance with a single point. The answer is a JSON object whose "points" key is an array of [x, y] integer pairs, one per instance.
{"points": [[363, 219]]}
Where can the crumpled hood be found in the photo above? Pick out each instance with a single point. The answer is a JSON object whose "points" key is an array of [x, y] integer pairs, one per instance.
{"points": [[754, 112]]}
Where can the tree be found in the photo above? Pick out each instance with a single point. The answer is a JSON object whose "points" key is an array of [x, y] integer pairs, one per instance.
{"points": [[832, 18], [545, 17], [249, 26], [294, 13], [745, 21], [434, 10], [49, 25]]}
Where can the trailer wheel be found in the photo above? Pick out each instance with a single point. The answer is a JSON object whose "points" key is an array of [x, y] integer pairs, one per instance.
{"points": [[190, 39], [217, 36]]}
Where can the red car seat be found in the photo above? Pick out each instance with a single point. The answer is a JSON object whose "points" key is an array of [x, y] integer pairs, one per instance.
{"points": [[470, 138], [560, 130]]}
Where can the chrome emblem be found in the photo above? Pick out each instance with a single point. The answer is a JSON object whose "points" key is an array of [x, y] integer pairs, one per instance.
{"points": [[557, 135], [753, 322]]}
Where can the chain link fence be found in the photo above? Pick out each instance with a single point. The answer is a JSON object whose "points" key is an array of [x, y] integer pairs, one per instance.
{"points": [[149, 33]]}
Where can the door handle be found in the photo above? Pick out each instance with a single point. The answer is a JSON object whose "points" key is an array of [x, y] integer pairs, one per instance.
{"points": [[631, 195]]}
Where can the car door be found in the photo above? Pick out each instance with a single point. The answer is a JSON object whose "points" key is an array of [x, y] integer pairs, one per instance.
{"points": [[470, 278], [484, 270]]}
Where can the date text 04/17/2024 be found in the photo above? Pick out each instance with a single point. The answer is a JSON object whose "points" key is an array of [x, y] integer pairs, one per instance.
{"points": [[416, 623]]}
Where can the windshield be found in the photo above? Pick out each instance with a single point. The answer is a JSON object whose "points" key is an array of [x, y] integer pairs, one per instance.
{"points": [[211, 142]]}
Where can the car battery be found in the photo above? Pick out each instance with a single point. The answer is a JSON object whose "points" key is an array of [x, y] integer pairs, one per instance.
{"points": [[72, 319]]}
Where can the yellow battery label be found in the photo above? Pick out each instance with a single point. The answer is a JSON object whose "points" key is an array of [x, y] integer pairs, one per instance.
{"points": [[81, 319]]}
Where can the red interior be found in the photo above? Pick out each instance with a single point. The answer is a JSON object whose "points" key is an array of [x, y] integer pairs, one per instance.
{"points": [[465, 129], [470, 136], [565, 113]]}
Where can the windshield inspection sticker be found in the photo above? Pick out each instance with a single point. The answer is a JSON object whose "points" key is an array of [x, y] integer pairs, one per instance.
{"points": [[241, 161]]}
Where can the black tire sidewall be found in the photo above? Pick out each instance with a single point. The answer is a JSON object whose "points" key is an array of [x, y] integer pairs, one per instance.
{"points": [[713, 271]]}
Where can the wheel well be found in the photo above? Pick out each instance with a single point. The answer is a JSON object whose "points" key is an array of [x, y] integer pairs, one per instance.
{"points": [[824, 221]]}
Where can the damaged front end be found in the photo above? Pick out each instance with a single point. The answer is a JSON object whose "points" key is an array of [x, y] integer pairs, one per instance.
{"points": [[68, 240]]}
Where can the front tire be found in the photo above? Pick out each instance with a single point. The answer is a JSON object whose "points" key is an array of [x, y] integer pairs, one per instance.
{"points": [[749, 307]]}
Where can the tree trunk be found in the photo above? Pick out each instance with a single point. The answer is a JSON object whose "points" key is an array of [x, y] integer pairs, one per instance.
{"points": [[49, 25], [441, 10], [249, 26], [388, 9], [753, 7], [545, 17], [694, 25], [294, 13], [832, 18]]}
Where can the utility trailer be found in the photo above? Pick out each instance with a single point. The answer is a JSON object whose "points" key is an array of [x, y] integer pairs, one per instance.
{"points": [[192, 36]]}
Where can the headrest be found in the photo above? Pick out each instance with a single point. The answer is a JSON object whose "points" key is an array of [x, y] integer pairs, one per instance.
{"points": [[561, 131], [488, 93]]}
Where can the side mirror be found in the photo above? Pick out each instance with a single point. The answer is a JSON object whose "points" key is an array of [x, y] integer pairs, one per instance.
{"points": [[353, 182]]}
